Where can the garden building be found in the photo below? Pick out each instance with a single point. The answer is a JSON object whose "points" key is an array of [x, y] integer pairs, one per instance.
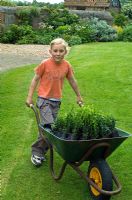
{"points": [[97, 5]]}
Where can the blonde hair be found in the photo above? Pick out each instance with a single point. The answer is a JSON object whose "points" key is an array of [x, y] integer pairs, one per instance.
{"points": [[59, 41]]}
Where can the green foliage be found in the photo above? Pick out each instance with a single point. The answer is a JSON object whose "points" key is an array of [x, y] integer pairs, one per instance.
{"points": [[15, 33], [123, 2], [27, 39], [26, 15], [66, 29], [61, 18], [43, 39], [126, 35], [60, 23], [120, 20], [39, 4], [74, 40], [84, 31], [102, 31], [94, 30], [7, 3], [85, 123], [127, 10], [34, 11]]}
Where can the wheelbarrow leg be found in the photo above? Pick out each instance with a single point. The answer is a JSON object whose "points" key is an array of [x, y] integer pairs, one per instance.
{"points": [[52, 165]]}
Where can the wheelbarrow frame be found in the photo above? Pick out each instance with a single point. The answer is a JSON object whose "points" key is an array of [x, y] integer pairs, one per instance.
{"points": [[86, 156]]}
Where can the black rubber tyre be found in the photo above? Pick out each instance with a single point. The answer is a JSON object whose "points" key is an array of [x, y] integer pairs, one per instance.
{"points": [[100, 173]]}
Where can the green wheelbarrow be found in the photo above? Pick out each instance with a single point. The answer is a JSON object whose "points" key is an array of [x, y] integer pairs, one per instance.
{"points": [[99, 176]]}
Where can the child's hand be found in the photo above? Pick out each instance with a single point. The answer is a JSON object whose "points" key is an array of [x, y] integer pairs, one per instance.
{"points": [[79, 101], [81, 104], [29, 102]]}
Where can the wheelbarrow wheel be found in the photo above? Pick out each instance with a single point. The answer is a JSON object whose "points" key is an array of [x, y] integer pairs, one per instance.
{"points": [[100, 173]]}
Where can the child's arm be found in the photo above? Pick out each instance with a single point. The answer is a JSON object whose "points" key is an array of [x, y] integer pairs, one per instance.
{"points": [[32, 88], [74, 86]]}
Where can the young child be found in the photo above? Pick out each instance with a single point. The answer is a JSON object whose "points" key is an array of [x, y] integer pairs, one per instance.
{"points": [[50, 75]]}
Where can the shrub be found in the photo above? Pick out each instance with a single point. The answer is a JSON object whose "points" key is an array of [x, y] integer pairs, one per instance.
{"points": [[28, 39], [66, 29], [15, 33], [127, 9], [94, 30], [103, 31], [84, 31], [61, 18], [45, 39], [120, 20], [118, 29], [85, 123], [126, 35], [74, 40]]}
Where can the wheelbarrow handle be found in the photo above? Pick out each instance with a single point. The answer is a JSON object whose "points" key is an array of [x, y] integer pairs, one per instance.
{"points": [[36, 113], [33, 107]]}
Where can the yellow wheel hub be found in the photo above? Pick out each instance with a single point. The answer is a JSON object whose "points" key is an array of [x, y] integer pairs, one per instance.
{"points": [[97, 179]]}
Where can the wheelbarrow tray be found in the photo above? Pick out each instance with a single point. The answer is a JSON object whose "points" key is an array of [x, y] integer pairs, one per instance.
{"points": [[73, 150]]}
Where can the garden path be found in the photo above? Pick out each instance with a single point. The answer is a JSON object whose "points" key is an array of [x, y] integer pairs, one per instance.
{"points": [[12, 56]]}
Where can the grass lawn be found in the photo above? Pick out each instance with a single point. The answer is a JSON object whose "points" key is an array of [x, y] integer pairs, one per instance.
{"points": [[104, 75]]}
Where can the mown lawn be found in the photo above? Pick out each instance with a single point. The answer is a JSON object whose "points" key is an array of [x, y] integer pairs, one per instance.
{"points": [[104, 75]]}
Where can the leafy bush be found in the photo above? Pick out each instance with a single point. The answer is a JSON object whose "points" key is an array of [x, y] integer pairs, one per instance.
{"points": [[27, 39], [85, 123], [61, 18], [127, 9], [15, 33], [57, 23], [103, 31], [45, 39], [126, 35], [66, 29], [84, 30], [94, 30], [74, 40], [120, 20], [118, 29]]}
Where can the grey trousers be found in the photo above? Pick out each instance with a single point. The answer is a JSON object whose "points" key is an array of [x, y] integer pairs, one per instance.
{"points": [[48, 112]]}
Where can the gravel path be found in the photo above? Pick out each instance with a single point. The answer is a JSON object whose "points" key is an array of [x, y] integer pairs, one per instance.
{"points": [[12, 56]]}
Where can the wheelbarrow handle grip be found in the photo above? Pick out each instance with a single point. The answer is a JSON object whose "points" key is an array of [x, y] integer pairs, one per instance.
{"points": [[31, 105], [80, 104]]}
